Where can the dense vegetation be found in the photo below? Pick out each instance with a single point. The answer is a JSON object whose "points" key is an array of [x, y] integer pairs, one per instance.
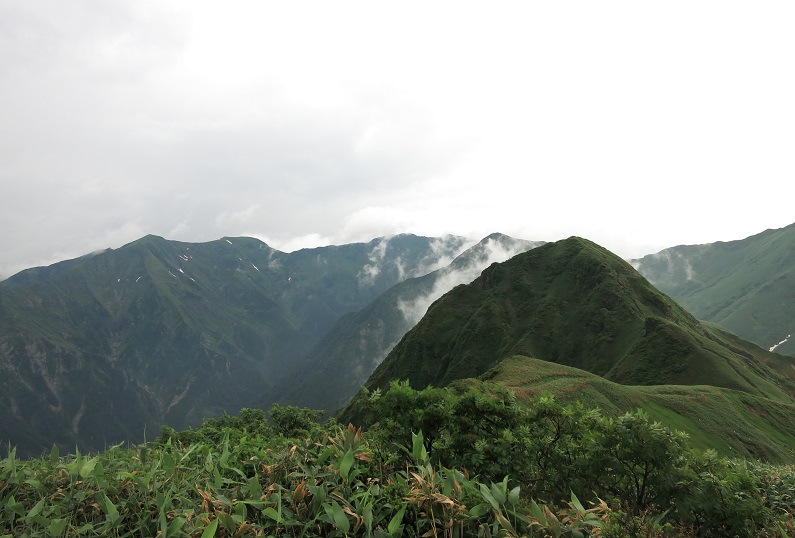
{"points": [[436, 462]]}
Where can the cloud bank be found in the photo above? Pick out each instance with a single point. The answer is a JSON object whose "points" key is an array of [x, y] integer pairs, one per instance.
{"points": [[310, 124]]}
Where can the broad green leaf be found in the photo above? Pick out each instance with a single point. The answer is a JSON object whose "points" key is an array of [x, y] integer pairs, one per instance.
{"points": [[537, 512], [226, 521], [56, 526], [33, 482], [346, 463], [498, 495], [273, 514], [225, 452], [367, 517], [110, 509], [36, 509], [210, 530], [513, 496], [254, 488], [240, 509], [418, 450], [396, 520], [488, 497], [340, 519], [87, 467], [577, 504], [479, 510], [176, 525]]}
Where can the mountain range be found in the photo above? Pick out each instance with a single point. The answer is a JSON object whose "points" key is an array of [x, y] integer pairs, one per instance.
{"points": [[339, 364], [573, 319], [746, 286], [109, 347]]}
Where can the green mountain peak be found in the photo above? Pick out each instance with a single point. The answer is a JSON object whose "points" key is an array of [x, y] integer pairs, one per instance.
{"points": [[573, 303]]}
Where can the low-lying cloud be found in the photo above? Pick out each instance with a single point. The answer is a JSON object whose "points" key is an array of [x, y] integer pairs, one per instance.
{"points": [[480, 256]]}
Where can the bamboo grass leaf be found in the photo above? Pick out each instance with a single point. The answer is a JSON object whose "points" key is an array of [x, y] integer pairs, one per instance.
{"points": [[513, 496], [575, 502], [210, 530], [488, 497], [340, 519], [37, 508], [176, 525], [56, 526], [273, 514], [346, 463], [479, 510], [397, 519]]}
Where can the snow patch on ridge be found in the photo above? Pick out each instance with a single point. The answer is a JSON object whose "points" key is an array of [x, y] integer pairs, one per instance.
{"points": [[780, 343]]}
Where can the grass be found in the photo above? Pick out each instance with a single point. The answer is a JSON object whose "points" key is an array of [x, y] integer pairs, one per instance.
{"points": [[733, 422]]}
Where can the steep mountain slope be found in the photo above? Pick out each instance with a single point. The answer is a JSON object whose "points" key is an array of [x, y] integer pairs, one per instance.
{"points": [[575, 320], [574, 303], [339, 364], [96, 350], [746, 286]]}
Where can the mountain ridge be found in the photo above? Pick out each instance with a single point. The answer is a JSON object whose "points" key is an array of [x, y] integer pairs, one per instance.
{"points": [[332, 372], [746, 286], [573, 303], [98, 349], [580, 313]]}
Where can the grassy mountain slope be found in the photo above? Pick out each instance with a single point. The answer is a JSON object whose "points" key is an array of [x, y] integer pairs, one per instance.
{"points": [[575, 303], [746, 286], [335, 368], [732, 422], [98, 349]]}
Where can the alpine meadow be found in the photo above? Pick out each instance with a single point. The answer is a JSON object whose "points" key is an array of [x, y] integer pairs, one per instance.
{"points": [[407, 386]]}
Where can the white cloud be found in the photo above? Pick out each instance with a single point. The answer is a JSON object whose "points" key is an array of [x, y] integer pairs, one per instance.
{"points": [[638, 126], [486, 253]]}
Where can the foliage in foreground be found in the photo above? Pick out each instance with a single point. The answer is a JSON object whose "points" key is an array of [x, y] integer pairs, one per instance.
{"points": [[483, 466]]}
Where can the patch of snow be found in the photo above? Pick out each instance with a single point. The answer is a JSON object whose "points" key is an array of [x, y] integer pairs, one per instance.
{"points": [[780, 343]]}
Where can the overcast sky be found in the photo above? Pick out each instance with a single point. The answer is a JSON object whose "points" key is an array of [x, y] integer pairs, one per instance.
{"points": [[638, 125]]}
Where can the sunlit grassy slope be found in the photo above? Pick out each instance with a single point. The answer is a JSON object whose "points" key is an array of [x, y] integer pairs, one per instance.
{"points": [[732, 422]]}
